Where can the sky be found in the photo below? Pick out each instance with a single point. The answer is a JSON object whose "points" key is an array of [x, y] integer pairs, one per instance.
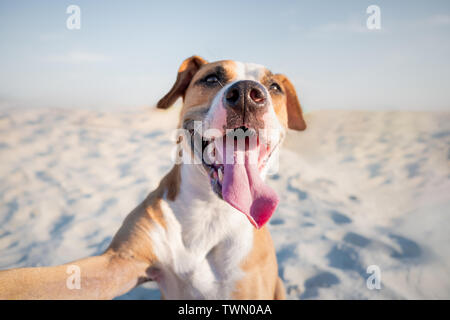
{"points": [[126, 53]]}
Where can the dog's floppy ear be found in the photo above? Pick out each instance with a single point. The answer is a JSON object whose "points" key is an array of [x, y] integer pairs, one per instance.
{"points": [[295, 118], [186, 72]]}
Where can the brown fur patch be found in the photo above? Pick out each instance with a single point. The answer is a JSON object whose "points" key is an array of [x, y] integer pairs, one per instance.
{"points": [[201, 96], [132, 239], [185, 73], [289, 110], [260, 268]]}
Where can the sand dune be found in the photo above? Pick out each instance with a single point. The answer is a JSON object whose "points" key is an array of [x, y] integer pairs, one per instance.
{"points": [[356, 188]]}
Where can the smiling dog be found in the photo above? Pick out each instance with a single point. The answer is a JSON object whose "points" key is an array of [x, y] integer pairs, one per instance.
{"points": [[201, 234]]}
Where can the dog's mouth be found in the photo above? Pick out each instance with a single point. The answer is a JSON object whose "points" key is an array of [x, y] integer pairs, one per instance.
{"points": [[234, 163]]}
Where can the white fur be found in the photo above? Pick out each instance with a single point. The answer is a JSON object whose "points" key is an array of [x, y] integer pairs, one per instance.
{"points": [[249, 71], [205, 241]]}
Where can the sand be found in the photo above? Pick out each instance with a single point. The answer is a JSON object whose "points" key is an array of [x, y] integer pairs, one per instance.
{"points": [[357, 188]]}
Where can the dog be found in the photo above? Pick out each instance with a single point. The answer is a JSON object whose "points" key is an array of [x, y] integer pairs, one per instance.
{"points": [[201, 234]]}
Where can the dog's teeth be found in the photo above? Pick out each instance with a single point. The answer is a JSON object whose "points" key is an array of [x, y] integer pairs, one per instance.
{"points": [[213, 173], [220, 174]]}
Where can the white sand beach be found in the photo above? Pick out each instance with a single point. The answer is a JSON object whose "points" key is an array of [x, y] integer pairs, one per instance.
{"points": [[357, 188]]}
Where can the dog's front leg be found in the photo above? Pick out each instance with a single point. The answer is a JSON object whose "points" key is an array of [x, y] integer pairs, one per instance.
{"points": [[99, 277], [126, 264]]}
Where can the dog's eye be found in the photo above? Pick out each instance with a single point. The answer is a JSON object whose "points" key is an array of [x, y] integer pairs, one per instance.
{"points": [[275, 87], [211, 79]]}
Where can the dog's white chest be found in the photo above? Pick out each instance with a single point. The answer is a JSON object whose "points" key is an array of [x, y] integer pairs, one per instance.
{"points": [[200, 251]]}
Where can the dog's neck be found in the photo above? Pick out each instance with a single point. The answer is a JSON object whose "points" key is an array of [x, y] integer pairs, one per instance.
{"points": [[195, 185], [200, 211], [195, 193], [204, 239]]}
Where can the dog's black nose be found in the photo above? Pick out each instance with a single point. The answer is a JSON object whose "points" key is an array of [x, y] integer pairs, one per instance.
{"points": [[246, 96]]}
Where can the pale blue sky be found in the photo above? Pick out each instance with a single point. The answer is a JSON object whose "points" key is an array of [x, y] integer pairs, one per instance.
{"points": [[127, 52]]}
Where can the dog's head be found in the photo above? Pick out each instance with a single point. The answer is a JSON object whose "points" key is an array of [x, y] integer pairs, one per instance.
{"points": [[235, 116]]}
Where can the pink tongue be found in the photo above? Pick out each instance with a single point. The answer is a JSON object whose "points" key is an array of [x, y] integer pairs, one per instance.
{"points": [[244, 189]]}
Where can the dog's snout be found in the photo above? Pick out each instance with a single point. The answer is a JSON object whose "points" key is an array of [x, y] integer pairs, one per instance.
{"points": [[246, 95]]}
